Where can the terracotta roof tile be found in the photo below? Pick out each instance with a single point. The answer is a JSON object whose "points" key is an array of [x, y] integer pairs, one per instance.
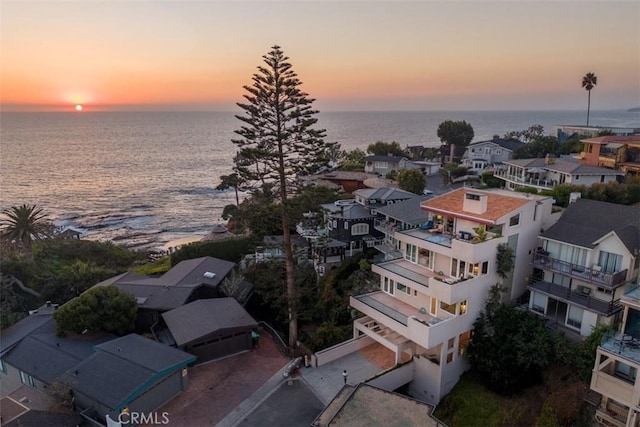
{"points": [[498, 205]]}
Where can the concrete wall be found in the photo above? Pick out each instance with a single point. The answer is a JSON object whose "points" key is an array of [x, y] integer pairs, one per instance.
{"points": [[393, 378], [10, 380], [340, 350]]}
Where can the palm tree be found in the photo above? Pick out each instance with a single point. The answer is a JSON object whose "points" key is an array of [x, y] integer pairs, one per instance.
{"points": [[22, 225], [589, 81]]}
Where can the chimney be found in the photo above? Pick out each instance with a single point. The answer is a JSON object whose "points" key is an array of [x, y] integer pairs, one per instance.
{"points": [[475, 203], [549, 159]]}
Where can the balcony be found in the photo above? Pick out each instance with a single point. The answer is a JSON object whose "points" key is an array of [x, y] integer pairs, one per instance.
{"points": [[525, 181], [403, 319], [448, 289], [605, 308], [622, 346], [590, 275]]}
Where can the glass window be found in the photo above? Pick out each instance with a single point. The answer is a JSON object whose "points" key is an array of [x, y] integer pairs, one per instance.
{"points": [[485, 267], [403, 288], [609, 262], [2, 368], [451, 308], [626, 372], [434, 306], [463, 307], [514, 220], [359, 229], [574, 317], [539, 302], [411, 253], [27, 379]]}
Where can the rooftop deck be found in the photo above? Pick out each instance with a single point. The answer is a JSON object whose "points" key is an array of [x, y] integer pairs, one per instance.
{"points": [[622, 345]]}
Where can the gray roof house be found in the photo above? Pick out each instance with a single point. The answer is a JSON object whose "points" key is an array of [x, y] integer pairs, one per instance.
{"points": [[582, 264], [129, 372], [187, 281], [105, 373], [211, 328], [481, 154], [382, 165], [544, 174], [373, 198]]}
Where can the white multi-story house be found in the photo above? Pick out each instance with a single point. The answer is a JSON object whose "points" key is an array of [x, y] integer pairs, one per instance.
{"points": [[615, 374], [481, 154], [431, 295], [582, 263], [544, 174]]}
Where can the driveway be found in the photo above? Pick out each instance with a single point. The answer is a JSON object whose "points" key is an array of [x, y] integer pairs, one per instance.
{"points": [[216, 388]]}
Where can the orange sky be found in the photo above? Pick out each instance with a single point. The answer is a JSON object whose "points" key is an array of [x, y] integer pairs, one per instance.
{"points": [[422, 55]]}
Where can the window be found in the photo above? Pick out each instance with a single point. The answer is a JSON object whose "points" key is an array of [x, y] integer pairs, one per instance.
{"points": [[382, 165], [27, 379], [498, 151], [514, 220], [449, 357], [463, 307], [601, 178], [609, 262], [559, 279], [577, 177], [403, 288], [485, 267], [454, 267], [574, 317], [450, 308], [451, 343], [411, 253], [385, 287], [434, 306], [359, 229], [473, 150], [2, 368], [539, 302], [472, 196], [334, 223], [604, 291], [626, 372], [346, 225]]}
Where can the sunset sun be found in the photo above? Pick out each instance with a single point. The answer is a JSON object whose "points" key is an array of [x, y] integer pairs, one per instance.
{"points": [[78, 107]]}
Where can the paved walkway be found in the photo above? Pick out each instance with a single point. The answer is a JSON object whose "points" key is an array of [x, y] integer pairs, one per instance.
{"points": [[324, 382]]}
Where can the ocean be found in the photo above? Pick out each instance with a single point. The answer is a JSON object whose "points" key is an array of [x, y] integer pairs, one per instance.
{"points": [[147, 180]]}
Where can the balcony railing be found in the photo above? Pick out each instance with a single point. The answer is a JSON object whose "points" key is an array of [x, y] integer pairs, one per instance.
{"points": [[545, 183], [578, 298], [581, 272]]}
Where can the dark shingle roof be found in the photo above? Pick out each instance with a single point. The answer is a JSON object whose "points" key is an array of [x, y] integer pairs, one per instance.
{"points": [[384, 194], [508, 144], [174, 287], [14, 333], [121, 369], [585, 221], [46, 356], [407, 211], [203, 317], [46, 419]]}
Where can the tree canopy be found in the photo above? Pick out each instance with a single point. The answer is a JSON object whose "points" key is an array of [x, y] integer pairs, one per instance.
{"points": [[381, 148], [456, 133], [411, 180], [278, 143], [100, 309], [510, 349], [23, 224]]}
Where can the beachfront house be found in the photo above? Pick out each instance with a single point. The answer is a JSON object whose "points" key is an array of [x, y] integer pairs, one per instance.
{"points": [[481, 154], [582, 263], [187, 281], [382, 165], [544, 174], [615, 374], [433, 290], [621, 153]]}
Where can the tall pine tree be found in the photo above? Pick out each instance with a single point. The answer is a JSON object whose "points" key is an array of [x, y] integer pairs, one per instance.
{"points": [[278, 144]]}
